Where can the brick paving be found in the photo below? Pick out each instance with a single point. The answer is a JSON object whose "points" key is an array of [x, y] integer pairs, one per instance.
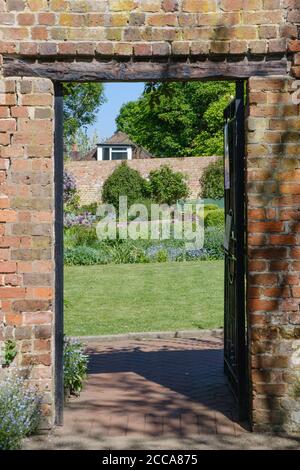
{"points": [[155, 388], [156, 394]]}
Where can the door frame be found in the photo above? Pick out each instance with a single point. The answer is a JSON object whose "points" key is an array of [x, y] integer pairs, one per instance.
{"points": [[244, 380]]}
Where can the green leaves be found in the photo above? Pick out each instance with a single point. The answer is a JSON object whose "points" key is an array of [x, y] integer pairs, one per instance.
{"points": [[81, 102], [178, 119], [10, 352], [167, 186], [212, 181], [124, 181]]}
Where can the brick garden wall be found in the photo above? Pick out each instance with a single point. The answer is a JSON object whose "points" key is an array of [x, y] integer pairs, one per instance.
{"points": [[273, 199], [90, 176], [131, 39], [146, 27], [26, 227]]}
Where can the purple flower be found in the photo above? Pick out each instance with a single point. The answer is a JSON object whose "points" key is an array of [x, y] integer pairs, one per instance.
{"points": [[70, 187], [87, 219]]}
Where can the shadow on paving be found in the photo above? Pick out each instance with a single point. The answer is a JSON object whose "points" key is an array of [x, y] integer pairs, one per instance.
{"points": [[155, 388], [156, 394]]}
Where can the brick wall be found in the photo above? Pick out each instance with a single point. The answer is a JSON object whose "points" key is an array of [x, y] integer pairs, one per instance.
{"points": [[26, 227], [143, 28], [90, 176], [155, 39], [273, 196]]}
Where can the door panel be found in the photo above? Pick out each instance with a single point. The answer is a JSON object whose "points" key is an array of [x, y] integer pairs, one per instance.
{"points": [[235, 335]]}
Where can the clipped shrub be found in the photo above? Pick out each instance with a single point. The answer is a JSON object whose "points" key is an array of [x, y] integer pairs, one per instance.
{"points": [[19, 411], [167, 186], [211, 207], [212, 181], [215, 218], [75, 366], [124, 181]]}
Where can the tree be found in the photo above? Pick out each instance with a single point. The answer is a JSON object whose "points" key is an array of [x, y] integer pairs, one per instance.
{"points": [[84, 142], [81, 102], [178, 119]]}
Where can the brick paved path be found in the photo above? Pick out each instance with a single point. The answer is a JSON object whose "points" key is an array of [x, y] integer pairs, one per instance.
{"points": [[155, 388], [156, 394]]}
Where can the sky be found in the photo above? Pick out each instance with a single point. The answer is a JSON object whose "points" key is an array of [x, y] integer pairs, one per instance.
{"points": [[116, 95]]}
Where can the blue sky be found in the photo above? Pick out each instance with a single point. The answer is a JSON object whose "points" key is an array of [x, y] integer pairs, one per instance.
{"points": [[116, 95]]}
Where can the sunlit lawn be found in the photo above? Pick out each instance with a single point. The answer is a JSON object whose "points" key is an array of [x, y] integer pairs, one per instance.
{"points": [[108, 299]]}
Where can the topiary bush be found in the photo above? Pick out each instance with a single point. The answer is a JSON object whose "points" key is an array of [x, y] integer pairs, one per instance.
{"points": [[167, 186], [215, 218], [124, 181], [210, 207], [212, 181]]}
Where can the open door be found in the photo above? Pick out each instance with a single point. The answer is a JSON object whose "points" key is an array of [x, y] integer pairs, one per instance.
{"points": [[235, 335]]}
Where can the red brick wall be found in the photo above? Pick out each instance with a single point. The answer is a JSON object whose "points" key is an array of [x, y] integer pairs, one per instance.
{"points": [[26, 227], [273, 200], [122, 32], [146, 27], [90, 176]]}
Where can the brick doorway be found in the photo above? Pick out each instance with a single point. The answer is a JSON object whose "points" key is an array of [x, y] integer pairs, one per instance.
{"points": [[221, 409]]}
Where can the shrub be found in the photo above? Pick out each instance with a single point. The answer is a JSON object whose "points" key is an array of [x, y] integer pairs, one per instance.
{"points": [[213, 242], [212, 181], [124, 181], [211, 207], [90, 208], [167, 186], [71, 197], [215, 218], [84, 256], [19, 411], [80, 236], [147, 203], [75, 366]]}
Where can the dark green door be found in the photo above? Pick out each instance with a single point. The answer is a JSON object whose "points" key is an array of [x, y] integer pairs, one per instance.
{"points": [[235, 337]]}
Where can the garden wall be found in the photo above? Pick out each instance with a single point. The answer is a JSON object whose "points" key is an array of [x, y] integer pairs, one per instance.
{"points": [[90, 176]]}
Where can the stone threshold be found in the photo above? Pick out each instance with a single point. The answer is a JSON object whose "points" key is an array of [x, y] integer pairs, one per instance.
{"points": [[191, 334]]}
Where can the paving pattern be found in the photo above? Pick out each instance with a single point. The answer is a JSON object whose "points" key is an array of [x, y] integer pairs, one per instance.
{"points": [[155, 388], [156, 394]]}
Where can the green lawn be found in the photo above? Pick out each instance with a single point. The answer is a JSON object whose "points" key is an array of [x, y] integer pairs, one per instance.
{"points": [[108, 299]]}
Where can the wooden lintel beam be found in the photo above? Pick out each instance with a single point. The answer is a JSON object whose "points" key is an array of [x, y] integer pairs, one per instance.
{"points": [[96, 70]]}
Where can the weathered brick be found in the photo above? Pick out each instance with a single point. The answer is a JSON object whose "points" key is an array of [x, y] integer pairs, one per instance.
{"points": [[227, 31]]}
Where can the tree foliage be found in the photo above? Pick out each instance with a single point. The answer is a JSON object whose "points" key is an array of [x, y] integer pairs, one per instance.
{"points": [[178, 119], [81, 102]]}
